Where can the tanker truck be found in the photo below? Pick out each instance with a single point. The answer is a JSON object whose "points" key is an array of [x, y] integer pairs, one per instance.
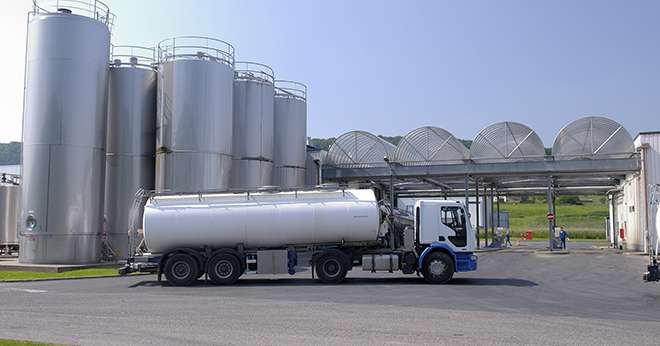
{"points": [[221, 236]]}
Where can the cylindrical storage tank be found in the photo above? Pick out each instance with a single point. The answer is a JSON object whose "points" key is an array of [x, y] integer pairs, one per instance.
{"points": [[253, 126], [10, 206], [261, 220], [64, 125], [195, 114], [290, 149], [131, 141]]}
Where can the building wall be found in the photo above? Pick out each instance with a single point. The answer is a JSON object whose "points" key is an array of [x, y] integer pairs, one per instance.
{"points": [[633, 210]]}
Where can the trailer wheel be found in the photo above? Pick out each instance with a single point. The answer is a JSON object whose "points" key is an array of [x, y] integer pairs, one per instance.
{"points": [[181, 269], [224, 269], [438, 268], [331, 267]]}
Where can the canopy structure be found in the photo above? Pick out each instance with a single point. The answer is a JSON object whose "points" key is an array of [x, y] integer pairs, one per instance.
{"points": [[359, 149], [430, 145], [593, 137], [506, 141]]}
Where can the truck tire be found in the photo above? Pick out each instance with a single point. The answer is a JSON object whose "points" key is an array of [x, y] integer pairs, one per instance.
{"points": [[438, 268], [331, 267], [224, 269], [181, 269]]}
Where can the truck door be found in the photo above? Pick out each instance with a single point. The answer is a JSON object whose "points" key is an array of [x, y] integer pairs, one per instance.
{"points": [[454, 218]]}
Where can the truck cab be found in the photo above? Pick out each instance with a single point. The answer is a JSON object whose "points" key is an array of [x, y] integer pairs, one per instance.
{"points": [[443, 229]]}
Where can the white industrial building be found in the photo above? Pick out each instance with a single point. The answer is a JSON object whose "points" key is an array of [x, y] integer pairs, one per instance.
{"points": [[632, 208]]}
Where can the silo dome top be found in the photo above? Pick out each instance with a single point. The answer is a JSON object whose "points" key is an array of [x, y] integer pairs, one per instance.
{"points": [[94, 9], [253, 71], [133, 56], [358, 149], [286, 88], [427, 145], [195, 47], [506, 141], [593, 137]]}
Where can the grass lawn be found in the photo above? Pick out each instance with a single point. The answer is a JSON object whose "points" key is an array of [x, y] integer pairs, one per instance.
{"points": [[7, 342], [21, 275], [585, 221]]}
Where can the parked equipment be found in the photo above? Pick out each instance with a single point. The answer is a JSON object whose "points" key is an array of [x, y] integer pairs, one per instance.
{"points": [[188, 236], [10, 201]]}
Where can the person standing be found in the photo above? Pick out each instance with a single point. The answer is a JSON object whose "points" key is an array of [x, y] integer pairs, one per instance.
{"points": [[507, 242], [562, 237]]}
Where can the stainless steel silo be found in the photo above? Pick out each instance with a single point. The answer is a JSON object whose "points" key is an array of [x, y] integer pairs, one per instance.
{"points": [[10, 201], [64, 124], [131, 141], [195, 116], [290, 134], [253, 126]]}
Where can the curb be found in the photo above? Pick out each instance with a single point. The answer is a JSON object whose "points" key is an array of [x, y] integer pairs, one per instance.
{"points": [[72, 278]]}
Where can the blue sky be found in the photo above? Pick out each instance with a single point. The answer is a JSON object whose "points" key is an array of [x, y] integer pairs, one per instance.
{"points": [[391, 66]]}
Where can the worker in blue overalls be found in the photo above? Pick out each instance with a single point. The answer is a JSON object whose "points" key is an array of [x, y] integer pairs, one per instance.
{"points": [[562, 237]]}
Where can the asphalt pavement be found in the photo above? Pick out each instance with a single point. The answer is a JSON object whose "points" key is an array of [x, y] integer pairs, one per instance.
{"points": [[518, 298]]}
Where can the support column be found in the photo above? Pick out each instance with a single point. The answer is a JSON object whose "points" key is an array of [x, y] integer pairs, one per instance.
{"points": [[392, 203], [549, 197], [492, 215], [486, 215], [497, 197], [476, 190]]}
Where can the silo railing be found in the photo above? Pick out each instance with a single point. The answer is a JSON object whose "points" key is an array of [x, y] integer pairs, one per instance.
{"points": [[246, 70], [195, 47], [286, 88], [135, 56], [89, 8]]}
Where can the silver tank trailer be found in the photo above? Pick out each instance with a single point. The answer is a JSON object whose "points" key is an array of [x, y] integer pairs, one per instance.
{"points": [[290, 134], [194, 121], [131, 141], [253, 126], [64, 124], [10, 201]]}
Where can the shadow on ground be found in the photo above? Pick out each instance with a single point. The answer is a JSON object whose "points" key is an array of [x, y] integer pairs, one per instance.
{"points": [[511, 282]]}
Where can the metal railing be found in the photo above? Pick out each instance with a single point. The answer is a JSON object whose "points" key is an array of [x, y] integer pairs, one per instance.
{"points": [[135, 56], [195, 47], [287, 88], [94, 9], [253, 71]]}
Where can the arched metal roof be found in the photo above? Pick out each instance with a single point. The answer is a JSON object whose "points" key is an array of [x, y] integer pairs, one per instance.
{"points": [[359, 149], [430, 145], [506, 141], [593, 137]]}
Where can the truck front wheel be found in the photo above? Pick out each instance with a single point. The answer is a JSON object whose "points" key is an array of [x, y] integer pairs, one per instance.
{"points": [[224, 269], [331, 267], [438, 268], [181, 269]]}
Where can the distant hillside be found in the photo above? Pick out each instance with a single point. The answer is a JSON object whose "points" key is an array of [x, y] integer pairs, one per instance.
{"points": [[10, 153]]}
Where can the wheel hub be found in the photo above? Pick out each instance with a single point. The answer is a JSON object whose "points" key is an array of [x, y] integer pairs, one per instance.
{"points": [[224, 269], [331, 267], [181, 270], [437, 267]]}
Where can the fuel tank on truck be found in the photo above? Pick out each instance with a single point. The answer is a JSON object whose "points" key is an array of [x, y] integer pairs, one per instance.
{"points": [[260, 220]]}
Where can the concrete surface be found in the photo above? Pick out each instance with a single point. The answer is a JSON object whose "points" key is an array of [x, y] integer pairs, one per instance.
{"points": [[11, 264], [515, 298]]}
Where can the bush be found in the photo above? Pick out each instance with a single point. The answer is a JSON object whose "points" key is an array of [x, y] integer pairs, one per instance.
{"points": [[573, 200]]}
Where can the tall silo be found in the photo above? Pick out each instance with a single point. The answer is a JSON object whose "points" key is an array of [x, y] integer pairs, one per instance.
{"points": [[131, 140], [253, 126], [195, 114], [290, 134], [64, 124]]}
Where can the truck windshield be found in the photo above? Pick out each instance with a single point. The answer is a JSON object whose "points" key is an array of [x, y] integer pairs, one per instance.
{"points": [[454, 218]]}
